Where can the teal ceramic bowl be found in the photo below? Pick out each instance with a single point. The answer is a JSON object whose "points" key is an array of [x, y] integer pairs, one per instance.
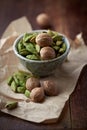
{"points": [[41, 67]]}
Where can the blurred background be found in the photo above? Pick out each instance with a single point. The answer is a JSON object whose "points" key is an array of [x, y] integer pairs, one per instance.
{"points": [[66, 16]]}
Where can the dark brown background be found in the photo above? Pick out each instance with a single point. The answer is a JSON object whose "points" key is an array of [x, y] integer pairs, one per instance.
{"points": [[68, 17]]}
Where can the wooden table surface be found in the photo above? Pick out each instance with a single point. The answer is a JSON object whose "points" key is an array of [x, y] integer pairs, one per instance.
{"points": [[68, 17]]}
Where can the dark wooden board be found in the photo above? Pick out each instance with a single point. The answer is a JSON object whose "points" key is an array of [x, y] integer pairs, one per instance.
{"points": [[78, 102]]}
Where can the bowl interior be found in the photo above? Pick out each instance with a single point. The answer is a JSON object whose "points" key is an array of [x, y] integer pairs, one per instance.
{"points": [[39, 61]]}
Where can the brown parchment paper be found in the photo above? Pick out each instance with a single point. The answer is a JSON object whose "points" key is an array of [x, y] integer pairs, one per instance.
{"points": [[65, 77]]}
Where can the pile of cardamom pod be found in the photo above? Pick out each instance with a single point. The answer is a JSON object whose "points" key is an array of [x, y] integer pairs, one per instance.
{"points": [[41, 45], [31, 86]]}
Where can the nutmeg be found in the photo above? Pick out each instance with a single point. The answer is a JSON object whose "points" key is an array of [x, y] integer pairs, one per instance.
{"points": [[32, 83], [50, 88], [47, 53], [43, 39], [37, 94], [43, 20]]}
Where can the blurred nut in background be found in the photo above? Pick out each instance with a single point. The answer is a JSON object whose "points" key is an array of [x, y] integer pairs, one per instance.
{"points": [[43, 20]]}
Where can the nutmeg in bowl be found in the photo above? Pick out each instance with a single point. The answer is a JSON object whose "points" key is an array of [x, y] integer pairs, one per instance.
{"points": [[41, 51]]}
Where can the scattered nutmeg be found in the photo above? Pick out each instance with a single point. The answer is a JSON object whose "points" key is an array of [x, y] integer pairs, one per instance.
{"points": [[43, 39], [50, 88], [37, 94], [32, 83], [43, 20], [47, 53]]}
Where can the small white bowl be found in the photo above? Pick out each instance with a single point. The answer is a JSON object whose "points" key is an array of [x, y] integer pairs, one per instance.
{"points": [[41, 67]]}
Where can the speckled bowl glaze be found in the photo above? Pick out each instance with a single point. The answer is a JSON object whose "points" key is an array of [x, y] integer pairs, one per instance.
{"points": [[43, 67]]}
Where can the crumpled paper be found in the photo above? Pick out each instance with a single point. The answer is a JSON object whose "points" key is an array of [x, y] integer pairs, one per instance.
{"points": [[65, 77]]}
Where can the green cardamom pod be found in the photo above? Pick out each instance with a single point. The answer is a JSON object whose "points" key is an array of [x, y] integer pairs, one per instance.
{"points": [[64, 46], [13, 86], [9, 80], [32, 57], [58, 43], [27, 93], [56, 48], [61, 50], [21, 89], [11, 105], [16, 80], [37, 48]]}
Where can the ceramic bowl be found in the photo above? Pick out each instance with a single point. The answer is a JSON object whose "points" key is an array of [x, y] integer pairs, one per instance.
{"points": [[41, 67]]}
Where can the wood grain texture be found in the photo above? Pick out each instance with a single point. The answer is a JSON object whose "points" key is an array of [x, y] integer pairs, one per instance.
{"points": [[78, 102], [68, 17], [8, 122]]}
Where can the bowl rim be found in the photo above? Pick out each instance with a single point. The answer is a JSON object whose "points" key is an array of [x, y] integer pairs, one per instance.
{"points": [[39, 61]]}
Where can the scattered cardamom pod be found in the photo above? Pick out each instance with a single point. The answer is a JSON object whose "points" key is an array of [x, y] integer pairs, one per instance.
{"points": [[9, 80], [27, 93], [13, 86], [16, 80], [11, 105]]}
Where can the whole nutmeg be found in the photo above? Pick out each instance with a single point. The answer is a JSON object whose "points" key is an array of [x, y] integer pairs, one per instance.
{"points": [[50, 88], [43, 20], [43, 39], [32, 83], [47, 53], [37, 94]]}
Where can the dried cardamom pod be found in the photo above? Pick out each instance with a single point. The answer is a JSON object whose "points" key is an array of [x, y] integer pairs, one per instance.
{"points": [[57, 37], [27, 37], [21, 89], [27, 93], [50, 33], [31, 48], [13, 86], [61, 50], [37, 48], [9, 80], [32, 39], [58, 43], [20, 46], [32, 57], [24, 52], [56, 48], [16, 80], [64, 46], [11, 105]]}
